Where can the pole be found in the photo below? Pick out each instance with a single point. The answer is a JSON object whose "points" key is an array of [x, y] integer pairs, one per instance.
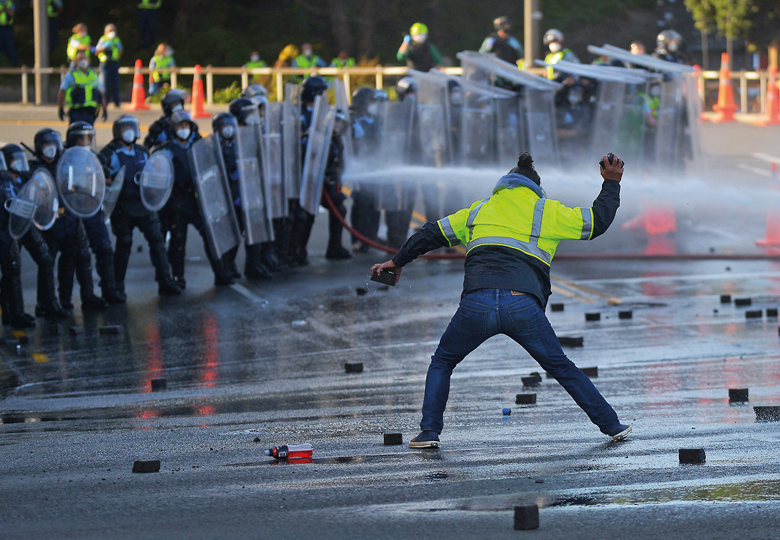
{"points": [[536, 17], [41, 23], [705, 52], [528, 32]]}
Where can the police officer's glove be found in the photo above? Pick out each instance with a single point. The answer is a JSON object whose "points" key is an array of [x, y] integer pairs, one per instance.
{"points": [[104, 116], [407, 38], [61, 113], [611, 167]]}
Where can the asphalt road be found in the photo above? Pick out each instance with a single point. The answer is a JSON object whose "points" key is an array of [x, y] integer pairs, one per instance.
{"points": [[266, 361]]}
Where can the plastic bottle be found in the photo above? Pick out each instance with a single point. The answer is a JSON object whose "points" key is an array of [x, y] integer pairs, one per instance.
{"points": [[290, 451]]}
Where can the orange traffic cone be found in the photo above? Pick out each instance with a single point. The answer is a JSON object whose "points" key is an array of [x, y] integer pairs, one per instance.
{"points": [[725, 106], [772, 103], [138, 101], [772, 239], [655, 219], [196, 108]]}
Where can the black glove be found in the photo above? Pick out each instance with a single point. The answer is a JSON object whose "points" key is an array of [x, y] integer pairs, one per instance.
{"points": [[61, 113], [104, 117]]}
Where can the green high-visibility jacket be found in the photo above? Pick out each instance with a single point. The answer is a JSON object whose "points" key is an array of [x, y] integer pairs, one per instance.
{"points": [[149, 4], [5, 18], [162, 62], [114, 45], [77, 39], [554, 58], [83, 93]]}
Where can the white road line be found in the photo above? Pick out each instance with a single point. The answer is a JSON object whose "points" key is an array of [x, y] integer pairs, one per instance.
{"points": [[246, 293], [754, 170], [766, 157], [708, 277]]}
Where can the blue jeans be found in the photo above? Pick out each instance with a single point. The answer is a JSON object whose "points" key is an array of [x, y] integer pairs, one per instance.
{"points": [[481, 315]]}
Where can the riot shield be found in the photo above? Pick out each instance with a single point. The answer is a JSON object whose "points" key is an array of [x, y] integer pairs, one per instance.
{"points": [[342, 103], [396, 134], [291, 142], [540, 122], [693, 108], [81, 182], [510, 131], [316, 154], [273, 160], [156, 181], [254, 211], [668, 140], [477, 135], [36, 204], [216, 204], [113, 192], [433, 119], [605, 135]]}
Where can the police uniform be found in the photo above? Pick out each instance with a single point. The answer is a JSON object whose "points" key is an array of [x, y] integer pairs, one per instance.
{"points": [[73, 43], [7, 31], [507, 49], [83, 95], [157, 79], [53, 8], [365, 217], [130, 213], [109, 66], [510, 239], [147, 21]]}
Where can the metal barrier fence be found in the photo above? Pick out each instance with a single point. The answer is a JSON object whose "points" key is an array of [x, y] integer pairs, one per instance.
{"points": [[746, 79]]}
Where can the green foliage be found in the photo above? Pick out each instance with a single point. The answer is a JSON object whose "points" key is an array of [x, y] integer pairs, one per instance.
{"points": [[757, 20], [226, 95], [164, 90]]}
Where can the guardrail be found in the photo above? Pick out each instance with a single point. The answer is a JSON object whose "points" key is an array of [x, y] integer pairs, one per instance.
{"points": [[378, 72]]}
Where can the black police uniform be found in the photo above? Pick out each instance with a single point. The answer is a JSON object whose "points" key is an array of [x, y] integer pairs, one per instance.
{"points": [[365, 216]]}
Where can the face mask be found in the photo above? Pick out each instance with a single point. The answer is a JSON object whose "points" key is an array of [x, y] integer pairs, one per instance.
{"points": [[672, 46], [254, 58], [227, 132], [456, 98], [252, 120], [83, 64], [177, 108], [373, 109], [49, 151], [16, 165], [655, 91], [183, 133], [111, 35], [555, 47], [420, 38], [307, 54], [128, 136], [168, 52]]}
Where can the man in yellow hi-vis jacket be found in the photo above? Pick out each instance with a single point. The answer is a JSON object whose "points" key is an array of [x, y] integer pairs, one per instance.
{"points": [[510, 240]]}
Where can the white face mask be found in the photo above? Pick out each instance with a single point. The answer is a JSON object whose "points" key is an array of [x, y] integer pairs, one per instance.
{"points": [[16, 165], [168, 52], [420, 38], [307, 53], [555, 47], [183, 133], [49, 151], [83, 64], [111, 35], [177, 108], [373, 109], [227, 132], [252, 120], [672, 46], [254, 58], [128, 136]]}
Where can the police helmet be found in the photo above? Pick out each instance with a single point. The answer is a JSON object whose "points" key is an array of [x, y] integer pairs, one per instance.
{"points": [[15, 158], [253, 90], [502, 23], [553, 35], [44, 138], [80, 134], [171, 99], [362, 98], [222, 121], [418, 28], [455, 92], [181, 116], [122, 123], [669, 40], [405, 87], [341, 123], [312, 87], [245, 111]]}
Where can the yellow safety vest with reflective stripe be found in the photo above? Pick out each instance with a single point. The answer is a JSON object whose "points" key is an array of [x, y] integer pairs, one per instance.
{"points": [[149, 4], [517, 218], [162, 62], [73, 51], [114, 44], [5, 18], [652, 103], [339, 63], [254, 65], [554, 58], [84, 89], [51, 9]]}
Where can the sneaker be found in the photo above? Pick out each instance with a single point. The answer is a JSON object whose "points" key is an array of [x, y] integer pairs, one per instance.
{"points": [[426, 439], [621, 435]]}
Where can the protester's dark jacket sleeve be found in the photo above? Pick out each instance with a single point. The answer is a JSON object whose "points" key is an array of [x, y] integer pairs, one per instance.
{"points": [[605, 207], [428, 238]]}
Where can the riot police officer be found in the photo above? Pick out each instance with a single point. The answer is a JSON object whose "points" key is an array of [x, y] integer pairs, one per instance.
{"points": [[225, 126], [11, 181], [83, 134], [159, 131], [669, 47], [82, 92], [182, 208], [501, 43], [67, 236], [553, 40], [130, 212]]}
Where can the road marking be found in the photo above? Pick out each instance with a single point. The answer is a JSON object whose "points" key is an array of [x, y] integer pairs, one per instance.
{"points": [[766, 157], [246, 293], [589, 292], [708, 277], [754, 170]]}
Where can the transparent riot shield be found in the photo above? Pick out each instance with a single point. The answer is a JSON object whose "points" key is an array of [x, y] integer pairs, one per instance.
{"points": [[273, 160], [396, 135], [539, 111], [291, 141], [257, 226], [316, 154], [113, 192], [35, 204], [433, 119], [605, 134], [693, 109], [510, 131], [214, 197], [342, 103], [156, 181], [476, 130], [668, 140], [81, 182]]}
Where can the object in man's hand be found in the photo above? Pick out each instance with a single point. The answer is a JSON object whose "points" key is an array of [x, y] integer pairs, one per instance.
{"points": [[611, 158], [387, 277]]}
